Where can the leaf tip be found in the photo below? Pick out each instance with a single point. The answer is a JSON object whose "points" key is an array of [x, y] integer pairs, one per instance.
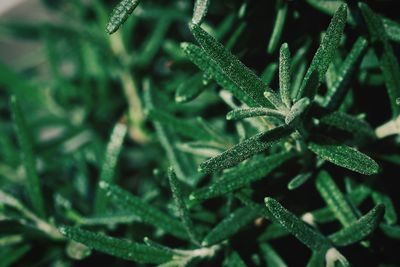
{"points": [[103, 184]]}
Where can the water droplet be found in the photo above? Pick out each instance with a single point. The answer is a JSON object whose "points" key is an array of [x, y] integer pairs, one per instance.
{"points": [[398, 101]]}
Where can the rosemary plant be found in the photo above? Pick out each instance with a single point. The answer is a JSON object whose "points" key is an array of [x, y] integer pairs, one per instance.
{"points": [[202, 133]]}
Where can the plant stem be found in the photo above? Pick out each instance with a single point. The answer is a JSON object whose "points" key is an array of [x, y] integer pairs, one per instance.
{"points": [[135, 111]]}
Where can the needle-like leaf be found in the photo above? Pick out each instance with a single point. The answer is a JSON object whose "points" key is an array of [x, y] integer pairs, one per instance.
{"points": [[180, 161], [190, 88], [392, 29], [335, 200], [307, 235], [120, 14], [272, 258], [147, 213], [243, 77], [390, 211], [344, 156], [200, 11], [240, 176], [120, 248], [337, 92], [360, 229], [348, 123], [230, 225], [212, 69], [327, 49], [280, 19], [298, 180], [110, 159], [284, 75], [180, 206], [242, 113], [255, 144], [297, 110], [388, 61], [392, 231], [33, 186]]}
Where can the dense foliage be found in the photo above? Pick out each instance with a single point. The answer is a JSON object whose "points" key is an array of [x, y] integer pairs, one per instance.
{"points": [[213, 133]]}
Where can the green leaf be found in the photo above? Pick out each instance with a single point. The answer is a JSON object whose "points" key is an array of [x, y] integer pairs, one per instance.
{"points": [[190, 88], [392, 29], [147, 213], [244, 150], [271, 257], [299, 180], [109, 219], [273, 231], [241, 176], [384, 51], [234, 260], [211, 68], [317, 259], [33, 186], [360, 229], [330, 7], [297, 110], [356, 197], [348, 123], [344, 156], [238, 73], [307, 235], [180, 206], [335, 200], [181, 162], [280, 19], [326, 50], [200, 11], [120, 248], [230, 225], [392, 231], [242, 113], [110, 159], [337, 92], [284, 75], [120, 14], [181, 126], [390, 214], [153, 43], [269, 72]]}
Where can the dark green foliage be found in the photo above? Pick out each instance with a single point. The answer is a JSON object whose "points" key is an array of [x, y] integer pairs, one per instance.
{"points": [[169, 134], [33, 185]]}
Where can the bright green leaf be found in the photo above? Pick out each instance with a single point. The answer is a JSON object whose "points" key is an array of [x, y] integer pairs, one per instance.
{"points": [[307, 235], [344, 156], [360, 229], [120, 248], [242, 76], [334, 198], [120, 14], [147, 213], [327, 48], [244, 150]]}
